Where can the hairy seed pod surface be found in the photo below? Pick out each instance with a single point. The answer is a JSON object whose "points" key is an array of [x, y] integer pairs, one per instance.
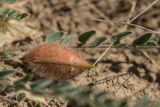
{"points": [[53, 61]]}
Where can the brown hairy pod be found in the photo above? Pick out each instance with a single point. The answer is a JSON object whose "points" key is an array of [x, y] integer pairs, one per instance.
{"points": [[53, 61]]}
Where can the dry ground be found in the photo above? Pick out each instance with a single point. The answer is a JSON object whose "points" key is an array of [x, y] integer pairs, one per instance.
{"points": [[122, 72]]}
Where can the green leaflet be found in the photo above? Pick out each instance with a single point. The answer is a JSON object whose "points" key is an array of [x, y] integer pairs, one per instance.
{"points": [[7, 1], [53, 37], [97, 41], [85, 36], [5, 73], [143, 39], [117, 38], [6, 14]]}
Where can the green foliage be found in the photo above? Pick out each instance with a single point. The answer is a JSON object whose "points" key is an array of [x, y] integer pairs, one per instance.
{"points": [[7, 1], [142, 40], [54, 37], [1, 86], [13, 14], [143, 102], [158, 42], [7, 54], [5, 73], [38, 105], [84, 37], [6, 14], [116, 39], [58, 37], [151, 43], [66, 39], [123, 34], [97, 41], [60, 87], [20, 84], [41, 84]]}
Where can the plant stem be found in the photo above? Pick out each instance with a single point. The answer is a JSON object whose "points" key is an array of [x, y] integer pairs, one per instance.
{"points": [[103, 54], [153, 3], [125, 23]]}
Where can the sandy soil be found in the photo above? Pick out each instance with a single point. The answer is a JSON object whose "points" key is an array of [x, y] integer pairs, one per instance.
{"points": [[122, 72]]}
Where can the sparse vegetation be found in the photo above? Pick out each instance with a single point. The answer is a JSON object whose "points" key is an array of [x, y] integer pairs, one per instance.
{"points": [[49, 68]]}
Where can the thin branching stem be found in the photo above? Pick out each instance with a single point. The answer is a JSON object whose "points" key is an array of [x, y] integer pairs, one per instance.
{"points": [[146, 9], [125, 23], [103, 54], [120, 47]]}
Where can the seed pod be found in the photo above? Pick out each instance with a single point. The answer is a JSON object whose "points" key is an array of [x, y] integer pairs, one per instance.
{"points": [[53, 61]]}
